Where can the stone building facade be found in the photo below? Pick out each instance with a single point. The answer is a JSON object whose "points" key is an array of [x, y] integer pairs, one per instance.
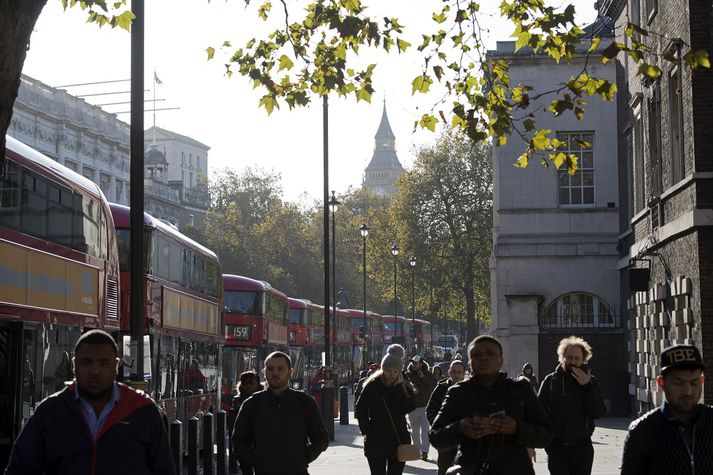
{"points": [[384, 168], [95, 143], [553, 267], [666, 159]]}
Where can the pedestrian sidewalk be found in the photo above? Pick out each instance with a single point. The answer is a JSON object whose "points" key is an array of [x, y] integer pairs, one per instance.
{"points": [[345, 455]]}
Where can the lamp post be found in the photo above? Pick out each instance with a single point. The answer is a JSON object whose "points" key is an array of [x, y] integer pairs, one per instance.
{"points": [[412, 261], [333, 205], [395, 252], [364, 231], [328, 385]]}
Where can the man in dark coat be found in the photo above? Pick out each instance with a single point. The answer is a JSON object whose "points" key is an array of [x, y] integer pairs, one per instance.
{"points": [[424, 381], [248, 385], [572, 399], [490, 417], [94, 425], [456, 374], [279, 430], [678, 436]]}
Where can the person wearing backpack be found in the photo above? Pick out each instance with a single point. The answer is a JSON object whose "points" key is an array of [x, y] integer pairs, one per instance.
{"points": [[279, 430], [572, 399]]}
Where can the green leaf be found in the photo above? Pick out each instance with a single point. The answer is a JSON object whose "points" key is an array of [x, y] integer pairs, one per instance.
{"points": [[540, 140], [211, 52], [611, 51], [529, 124], [421, 84], [429, 122], [438, 71], [650, 71], [269, 103], [522, 161], [558, 159], [595, 43], [698, 58], [285, 63], [124, 20], [402, 45]]}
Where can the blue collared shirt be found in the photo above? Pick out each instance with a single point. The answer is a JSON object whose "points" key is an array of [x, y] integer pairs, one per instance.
{"points": [[90, 416]]}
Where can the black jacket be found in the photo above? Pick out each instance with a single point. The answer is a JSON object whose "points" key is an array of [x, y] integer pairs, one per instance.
{"points": [[656, 444], [571, 407], [380, 440], [57, 440], [505, 454], [436, 401], [279, 435]]}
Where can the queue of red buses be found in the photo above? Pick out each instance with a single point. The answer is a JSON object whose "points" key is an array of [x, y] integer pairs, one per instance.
{"points": [[59, 275], [255, 325], [183, 329]]}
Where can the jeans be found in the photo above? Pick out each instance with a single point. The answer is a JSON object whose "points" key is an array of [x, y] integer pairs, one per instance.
{"points": [[574, 459], [419, 428]]}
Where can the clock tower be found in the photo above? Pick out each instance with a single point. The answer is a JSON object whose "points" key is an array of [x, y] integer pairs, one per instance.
{"points": [[384, 167]]}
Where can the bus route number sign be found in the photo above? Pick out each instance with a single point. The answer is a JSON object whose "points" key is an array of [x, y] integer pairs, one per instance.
{"points": [[241, 333]]}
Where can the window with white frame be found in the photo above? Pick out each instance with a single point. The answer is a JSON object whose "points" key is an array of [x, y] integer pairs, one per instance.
{"points": [[678, 164], [640, 187], [578, 309], [577, 189]]}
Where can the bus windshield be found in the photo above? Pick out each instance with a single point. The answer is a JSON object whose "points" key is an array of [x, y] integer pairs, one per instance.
{"points": [[357, 323], [242, 302], [296, 315]]}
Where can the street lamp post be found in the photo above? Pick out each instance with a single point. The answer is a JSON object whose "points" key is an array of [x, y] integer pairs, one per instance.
{"points": [[364, 230], [333, 205], [395, 252], [412, 261]]}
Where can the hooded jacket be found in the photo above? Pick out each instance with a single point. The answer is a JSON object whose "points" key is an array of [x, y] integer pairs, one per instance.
{"points": [[571, 407], [57, 439], [504, 454]]}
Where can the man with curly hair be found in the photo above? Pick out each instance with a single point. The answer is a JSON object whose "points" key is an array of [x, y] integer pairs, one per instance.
{"points": [[572, 399]]}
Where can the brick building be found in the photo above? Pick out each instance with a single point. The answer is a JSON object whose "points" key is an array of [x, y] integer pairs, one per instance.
{"points": [[666, 185]]}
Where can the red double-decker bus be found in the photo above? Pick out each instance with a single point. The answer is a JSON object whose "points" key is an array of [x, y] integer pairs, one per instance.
{"points": [[315, 339], [183, 332], [299, 337], [394, 330], [59, 276], [376, 346], [422, 335], [362, 332], [255, 325]]}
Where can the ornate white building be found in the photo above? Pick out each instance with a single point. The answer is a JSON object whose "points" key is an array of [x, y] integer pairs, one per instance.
{"points": [[95, 143]]}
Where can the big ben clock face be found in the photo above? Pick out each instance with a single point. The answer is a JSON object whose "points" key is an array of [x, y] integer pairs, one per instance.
{"points": [[379, 190]]}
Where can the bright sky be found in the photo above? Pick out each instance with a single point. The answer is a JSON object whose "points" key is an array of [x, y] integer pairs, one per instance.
{"points": [[222, 113]]}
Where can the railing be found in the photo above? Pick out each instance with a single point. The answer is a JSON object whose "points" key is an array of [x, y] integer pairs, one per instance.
{"points": [[554, 322]]}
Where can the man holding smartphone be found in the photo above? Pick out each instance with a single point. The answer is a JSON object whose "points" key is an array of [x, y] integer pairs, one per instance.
{"points": [[572, 400]]}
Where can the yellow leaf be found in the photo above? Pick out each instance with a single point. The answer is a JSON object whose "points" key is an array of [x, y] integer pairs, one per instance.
{"points": [[211, 51], [522, 161]]}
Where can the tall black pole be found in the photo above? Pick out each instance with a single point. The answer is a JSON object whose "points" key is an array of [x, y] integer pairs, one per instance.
{"points": [[363, 267], [395, 314], [334, 272], [328, 386], [136, 233], [412, 262]]}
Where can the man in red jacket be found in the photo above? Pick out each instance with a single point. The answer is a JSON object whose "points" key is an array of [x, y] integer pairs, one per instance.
{"points": [[94, 425]]}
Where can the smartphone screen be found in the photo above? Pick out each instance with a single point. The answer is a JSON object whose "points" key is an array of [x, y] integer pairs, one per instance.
{"points": [[498, 415]]}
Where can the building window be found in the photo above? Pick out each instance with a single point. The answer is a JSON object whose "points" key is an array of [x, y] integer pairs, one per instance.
{"points": [[578, 310], [105, 183], [198, 162], [183, 159], [654, 116], [629, 140], [638, 159], [678, 165], [119, 189], [650, 9], [634, 15], [71, 165], [88, 173], [577, 189]]}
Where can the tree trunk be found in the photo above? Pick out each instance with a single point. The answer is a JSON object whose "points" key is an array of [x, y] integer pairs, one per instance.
{"points": [[17, 20]]}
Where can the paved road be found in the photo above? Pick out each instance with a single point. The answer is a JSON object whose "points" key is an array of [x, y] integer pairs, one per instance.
{"points": [[345, 456]]}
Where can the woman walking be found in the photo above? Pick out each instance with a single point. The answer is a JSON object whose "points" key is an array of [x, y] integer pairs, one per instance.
{"points": [[249, 384], [381, 410]]}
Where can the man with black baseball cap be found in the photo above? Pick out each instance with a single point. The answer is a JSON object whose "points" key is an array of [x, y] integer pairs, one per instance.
{"points": [[678, 436]]}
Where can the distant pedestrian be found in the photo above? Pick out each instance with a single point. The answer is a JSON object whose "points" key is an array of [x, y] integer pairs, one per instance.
{"points": [[676, 437], [437, 372], [279, 430], [456, 374], [381, 411], [424, 382], [572, 399], [360, 384], [94, 424], [528, 374], [490, 418], [249, 384]]}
